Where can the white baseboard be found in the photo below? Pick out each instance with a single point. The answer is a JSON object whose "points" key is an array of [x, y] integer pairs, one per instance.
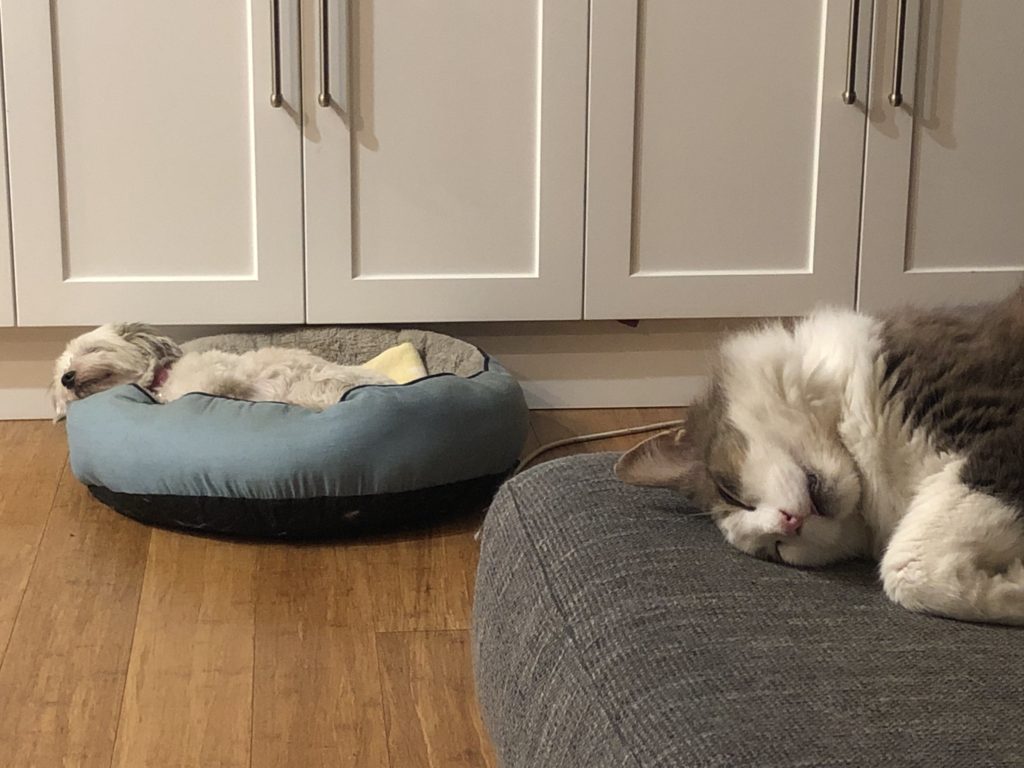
{"points": [[668, 391], [18, 404], [25, 404], [579, 364]]}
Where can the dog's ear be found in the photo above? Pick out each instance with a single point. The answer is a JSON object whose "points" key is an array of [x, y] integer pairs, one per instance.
{"points": [[128, 330], [146, 337]]}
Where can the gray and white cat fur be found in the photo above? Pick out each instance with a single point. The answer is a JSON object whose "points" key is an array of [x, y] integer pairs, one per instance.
{"points": [[898, 438]]}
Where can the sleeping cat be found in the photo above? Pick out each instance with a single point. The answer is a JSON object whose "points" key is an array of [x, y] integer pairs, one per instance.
{"points": [[899, 438]]}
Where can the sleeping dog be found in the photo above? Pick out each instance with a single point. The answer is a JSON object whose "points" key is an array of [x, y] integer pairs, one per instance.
{"points": [[132, 353]]}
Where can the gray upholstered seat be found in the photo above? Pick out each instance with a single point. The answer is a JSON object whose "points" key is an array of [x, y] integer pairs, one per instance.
{"points": [[612, 628]]}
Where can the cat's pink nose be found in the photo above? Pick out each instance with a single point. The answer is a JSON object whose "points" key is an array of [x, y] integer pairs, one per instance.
{"points": [[791, 524]]}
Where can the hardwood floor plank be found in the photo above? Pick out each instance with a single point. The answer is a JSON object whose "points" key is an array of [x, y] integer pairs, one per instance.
{"points": [[429, 701], [423, 582], [532, 442], [317, 699], [188, 696], [350, 654], [62, 679], [32, 458]]}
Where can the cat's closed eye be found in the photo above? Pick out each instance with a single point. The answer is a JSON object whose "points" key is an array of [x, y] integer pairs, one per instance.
{"points": [[816, 491], [729, 496]]}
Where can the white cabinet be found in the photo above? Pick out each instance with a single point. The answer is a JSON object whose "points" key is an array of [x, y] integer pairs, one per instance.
{"points": [[150, 177], [6, 274], [724, 167], [444, 180], [944, 171], [432, 161]]}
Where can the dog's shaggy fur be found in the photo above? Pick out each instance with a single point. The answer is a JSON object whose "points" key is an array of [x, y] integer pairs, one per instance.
{"points": [[132, 353]]}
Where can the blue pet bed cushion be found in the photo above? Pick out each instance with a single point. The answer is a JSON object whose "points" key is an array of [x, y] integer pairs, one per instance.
{"points": [[381, 456]]}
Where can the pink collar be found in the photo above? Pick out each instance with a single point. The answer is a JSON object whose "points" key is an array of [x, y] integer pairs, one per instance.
{"points": [[160, 377]]}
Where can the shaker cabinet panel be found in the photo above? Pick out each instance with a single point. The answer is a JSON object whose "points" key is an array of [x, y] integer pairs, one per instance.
{"points": [[6, 272], [444, 160], [724, 165], [151, 178], [944, 170]]}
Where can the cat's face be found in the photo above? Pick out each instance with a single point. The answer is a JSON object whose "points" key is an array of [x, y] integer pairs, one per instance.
{"points": [[779, 486]]}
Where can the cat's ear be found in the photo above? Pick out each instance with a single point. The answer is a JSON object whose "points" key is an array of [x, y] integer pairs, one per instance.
{"points": [[667, 460]]}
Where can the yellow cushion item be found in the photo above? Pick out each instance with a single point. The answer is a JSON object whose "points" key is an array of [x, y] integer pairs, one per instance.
{"points": [[401, 363]]}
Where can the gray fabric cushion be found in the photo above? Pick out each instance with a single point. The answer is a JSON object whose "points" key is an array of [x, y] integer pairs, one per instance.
{"points": [[354, 346], [612, 627]]}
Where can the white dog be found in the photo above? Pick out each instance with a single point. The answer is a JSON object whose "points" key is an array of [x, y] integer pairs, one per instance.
{"points": [[132, 353]]}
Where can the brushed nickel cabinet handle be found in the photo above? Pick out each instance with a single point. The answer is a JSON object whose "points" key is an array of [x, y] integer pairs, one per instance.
{"points": [[850, 94], [324, 97], [275, 53], [896, 97]]}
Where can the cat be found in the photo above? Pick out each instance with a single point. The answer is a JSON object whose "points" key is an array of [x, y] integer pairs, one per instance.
{"points": [[898, 438]]}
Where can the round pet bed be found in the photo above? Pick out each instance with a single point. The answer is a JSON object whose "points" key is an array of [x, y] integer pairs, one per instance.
{"points": [[381, 456]]}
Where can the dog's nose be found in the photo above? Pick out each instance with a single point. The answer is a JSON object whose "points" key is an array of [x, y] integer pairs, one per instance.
{"points": [[68, 379]]}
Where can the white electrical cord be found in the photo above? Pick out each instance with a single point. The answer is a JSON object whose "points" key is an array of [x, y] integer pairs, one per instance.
{"points": [[585, 439], [593, 436]]}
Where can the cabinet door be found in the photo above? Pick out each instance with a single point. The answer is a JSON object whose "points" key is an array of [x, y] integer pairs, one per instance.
{"points": [[944, 171], [151, 179], [6, 275], [444, 180], [724, 166]]}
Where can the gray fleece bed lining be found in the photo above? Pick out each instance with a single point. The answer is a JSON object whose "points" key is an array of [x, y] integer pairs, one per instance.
{"points": [[354, 346]]}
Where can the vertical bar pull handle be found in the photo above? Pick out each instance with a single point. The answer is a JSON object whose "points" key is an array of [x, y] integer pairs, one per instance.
{"points": [[324, 97], [896, 97], [850, 94], [275, 53], [344, 34]]}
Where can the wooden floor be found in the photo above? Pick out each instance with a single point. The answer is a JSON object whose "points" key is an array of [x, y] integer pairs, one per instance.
{"points": [[125, 646]]}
